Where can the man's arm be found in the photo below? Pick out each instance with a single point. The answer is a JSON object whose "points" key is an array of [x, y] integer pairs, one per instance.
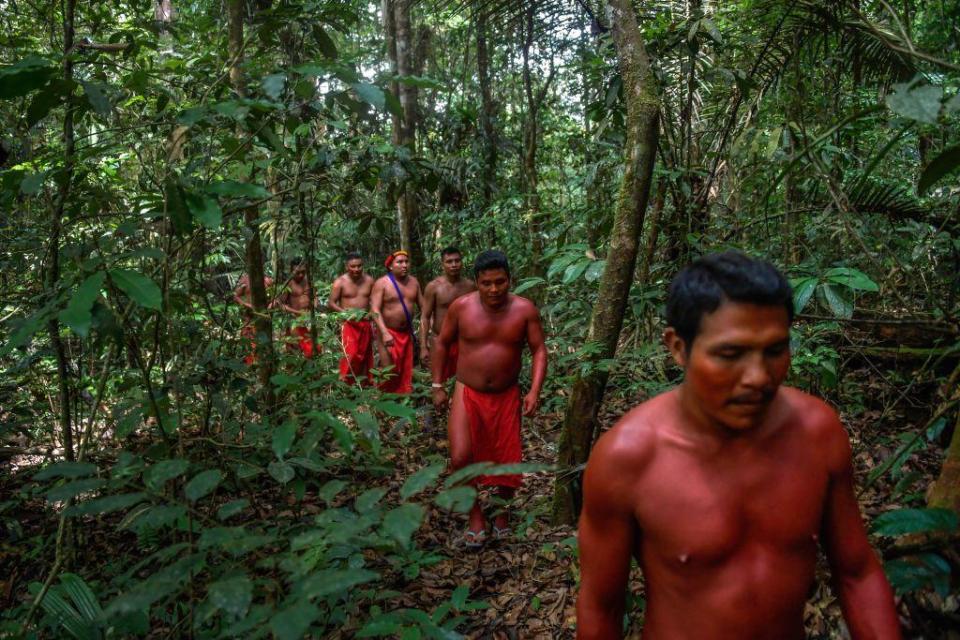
{"points": [[333, 303], [376, 307], [538, 348], [605, 539], [448, 335], [865, 595], [242, 290], [426, 319]]}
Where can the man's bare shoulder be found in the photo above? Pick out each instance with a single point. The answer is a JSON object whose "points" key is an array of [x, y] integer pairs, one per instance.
{"points": [[464, 301], [525, 306], [819, 423], [632, 440]]}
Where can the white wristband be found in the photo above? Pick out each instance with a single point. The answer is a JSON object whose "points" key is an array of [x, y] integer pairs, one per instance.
{"points": [[437, 385]]}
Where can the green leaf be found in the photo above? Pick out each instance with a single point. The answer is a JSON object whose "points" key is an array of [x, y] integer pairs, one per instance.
{"points": [[97, 98], [330, 490], [66, 470], [921, 103], [922, 571], [401, 523], [281, 471], [328, 582], [205, 210], [139, 287], [32, 183], [802, 292], [575, 270], [68, 617], [421, 480], [840, 306], [164, 582], [273, 85], [202, 484], [293, 622], [81, 595], [283, 438], [905, 521], [74, 488], [24, 76], [393, 104], [78, 315], [232, 188], [385, 624], [369, 499], [851, 278], [468, 472], [42, 103], [324, 42], [232, 508], [527, 283], [162, 472], [595, 270], [177, 209], [106, 504], [943, 164], [369, 93], [231, 595], [459, 499]]}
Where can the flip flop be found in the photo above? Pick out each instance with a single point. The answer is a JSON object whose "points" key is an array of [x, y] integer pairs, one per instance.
{"points": [[501, 534], [474, 539]]}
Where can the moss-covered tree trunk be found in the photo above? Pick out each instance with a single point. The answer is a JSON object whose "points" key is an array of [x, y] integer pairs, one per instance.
{"points": [[643, 109], [262, 322], [945, 491]]}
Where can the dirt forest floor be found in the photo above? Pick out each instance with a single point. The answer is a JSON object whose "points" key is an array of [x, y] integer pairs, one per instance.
{"points": [[527, 583]]}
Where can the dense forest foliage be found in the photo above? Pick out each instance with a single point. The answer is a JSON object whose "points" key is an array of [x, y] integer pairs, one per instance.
{"points": [[154, 484]]}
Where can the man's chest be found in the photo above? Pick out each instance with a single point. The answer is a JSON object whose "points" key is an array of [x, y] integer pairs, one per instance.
{"points": [[409, 292], [481, 328]]}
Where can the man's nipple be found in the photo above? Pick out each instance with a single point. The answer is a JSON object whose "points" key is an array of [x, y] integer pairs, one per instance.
{"points": [[684, 558]]}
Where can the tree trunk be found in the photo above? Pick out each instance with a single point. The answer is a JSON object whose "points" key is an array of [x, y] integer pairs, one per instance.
{"points": [[262, 321], [653, 231], [606, 322], [56, 230], [488, 174], [945, 492]]}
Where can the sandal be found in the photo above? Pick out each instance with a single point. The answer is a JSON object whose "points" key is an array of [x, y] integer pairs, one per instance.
{"points": [[501, 534], [474, 539]]}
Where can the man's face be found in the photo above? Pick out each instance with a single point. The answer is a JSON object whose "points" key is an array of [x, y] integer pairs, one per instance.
{"points": [[736, 362], [400, 266], [493, 286], [299, 272], [355, 268], [452, 264]]}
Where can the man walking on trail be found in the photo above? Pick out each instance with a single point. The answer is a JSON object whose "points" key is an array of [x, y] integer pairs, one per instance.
{"points": [[242, 296], [391, 303], [352, 291], [437, 298], [491, 327], [724, 487], [297, 298]]}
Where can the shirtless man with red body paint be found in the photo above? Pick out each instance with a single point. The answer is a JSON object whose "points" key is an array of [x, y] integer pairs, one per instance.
{"points": [[437, 298], [725, 487], [297, 297], [243, 296], [396, 332], [491, 327], [352, 290]]}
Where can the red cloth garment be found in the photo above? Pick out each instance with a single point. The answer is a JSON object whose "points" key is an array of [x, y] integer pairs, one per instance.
{"points": [[357, 337], [450, 366], [494, 430], [301, 340], [400, 378], [249, 333]]}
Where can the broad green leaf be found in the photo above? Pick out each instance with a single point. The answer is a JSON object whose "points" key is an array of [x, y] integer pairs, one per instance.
{"points": [[77, 314], [74, 488], [81, 595], [205, 210], [281, 471], [330, 490], [922, 571], [293, 622], [574, 271], [97, 98], [202, 484], [921, 103], [42, 103], [232, 508], [106, 504], [232, 595], [469, 472], [369, 93], [802, 292], [324, 42], [162, 472], [273, 85], [232, 188], [369, 499], [947, 161], [236, 541], [401, 523], [396, 409], [527, 283], [421, 480], [595, 270], [24, 76], [32, 183], [383, 625], [139, 287], [66, 470], [851, 278], [68, 617], [329, 582], [177, 209], [904, 521], [393, 104], [164, 582], [154, 518], [283, 438], [840, 306], [459, 499]]}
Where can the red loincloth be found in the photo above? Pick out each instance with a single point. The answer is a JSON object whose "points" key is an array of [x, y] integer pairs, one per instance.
{"points": [[450, 366], [400, 378], [357, 336], [301, 341], [494, 430], [249, 333]]}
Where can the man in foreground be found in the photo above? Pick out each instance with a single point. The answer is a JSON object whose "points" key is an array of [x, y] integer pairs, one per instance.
{"points": [[391, 303], [724, 487], [352, 291], [437, 298], [491, 327], [242, 296], [296, 299]]}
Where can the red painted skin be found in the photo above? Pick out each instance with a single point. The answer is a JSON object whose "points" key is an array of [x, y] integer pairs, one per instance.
{"points": [[438, 295], [385, 305], [491, 327], [723, 488], [352, 290]]}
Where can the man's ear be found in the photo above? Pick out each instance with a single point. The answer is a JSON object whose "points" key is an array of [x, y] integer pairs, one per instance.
{"points": [[676, 345]]}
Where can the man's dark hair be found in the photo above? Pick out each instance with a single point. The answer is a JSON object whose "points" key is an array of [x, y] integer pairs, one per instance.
{"points": [[449, 251], [352, 255], [707, 283], [297, 261], [490, 259]]}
